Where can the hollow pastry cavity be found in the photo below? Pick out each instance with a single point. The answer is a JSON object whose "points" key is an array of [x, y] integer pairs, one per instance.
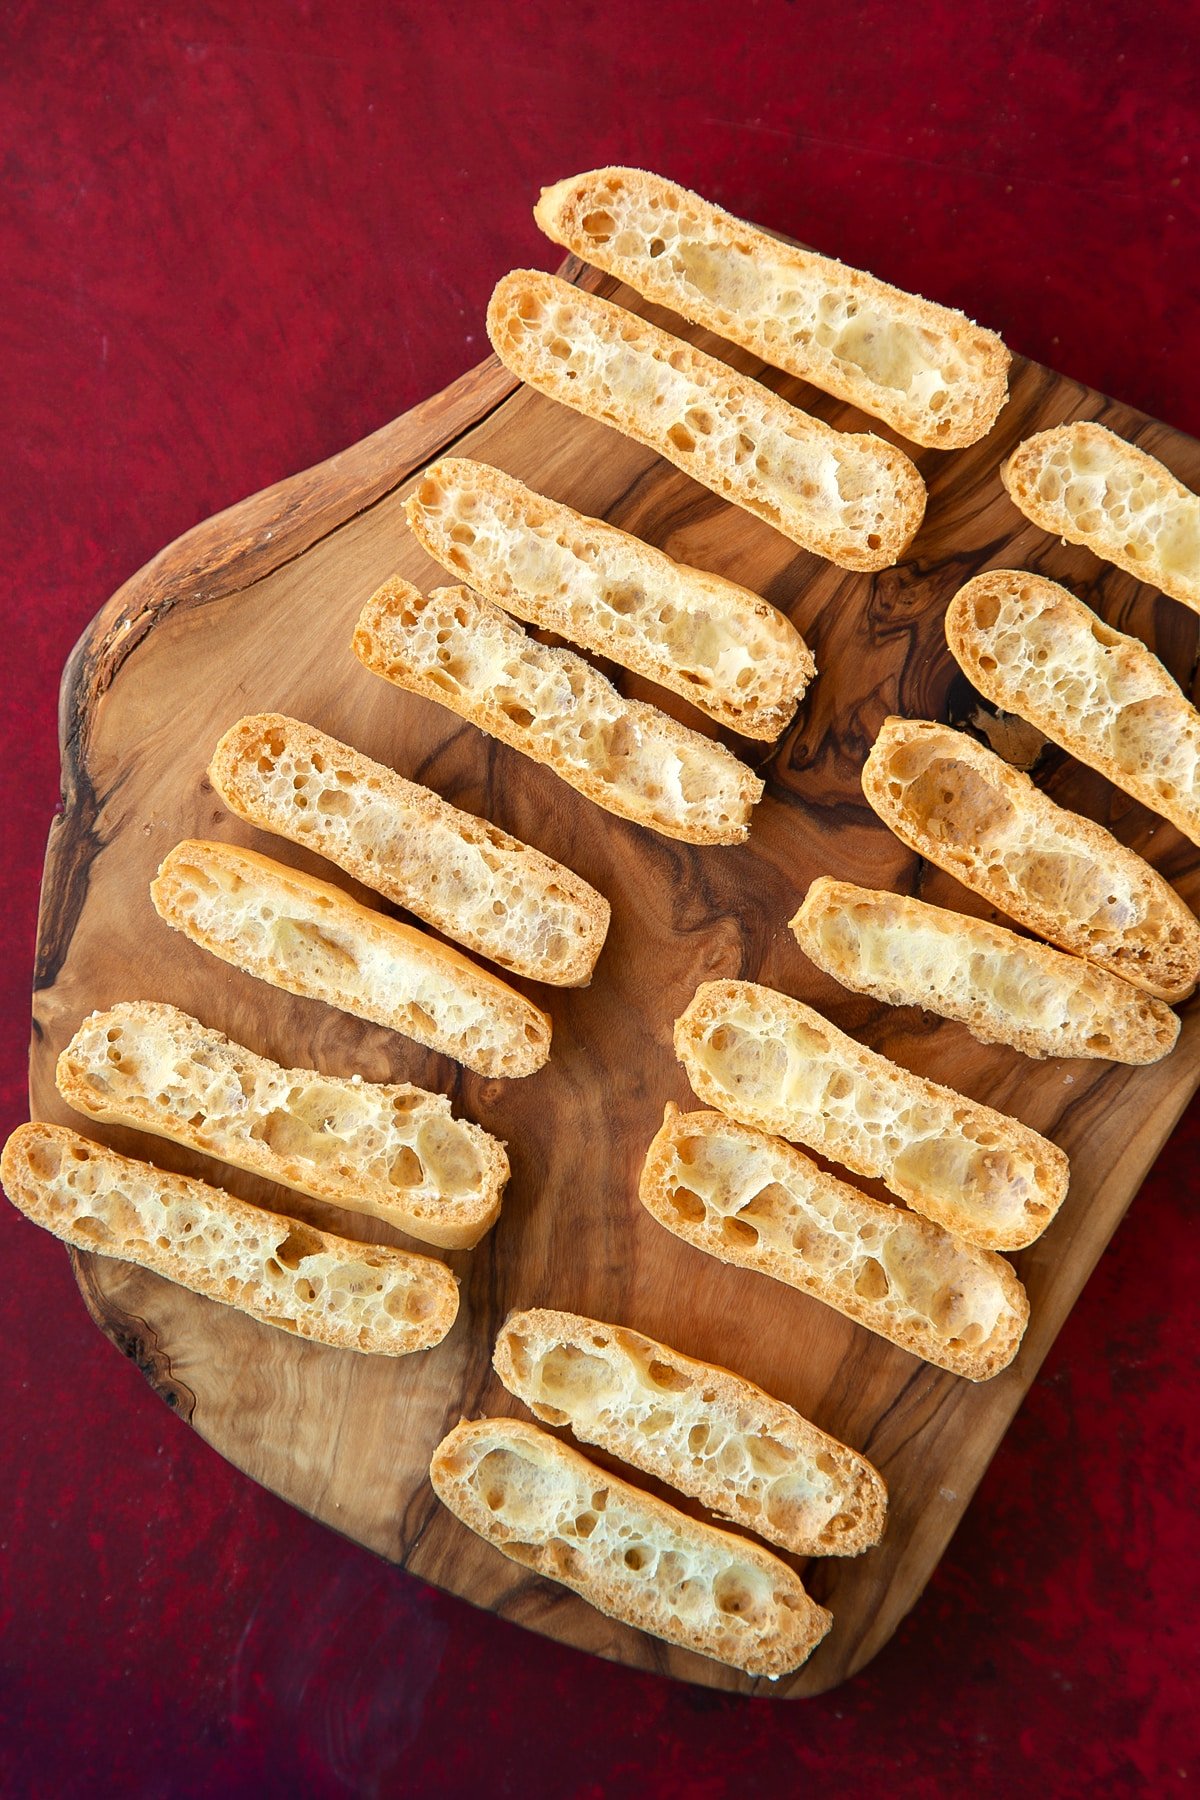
{"points": [[310, 938], [720, 646], [849, 497], [772, 1062], [926, 369], [462, 875], [706, 1431], [1036, 650], [750, 1199], [1088, 485], [631, 1556], [393, 1151], [961, 806], [635, 761], [280, 1271], [1004, 988]]}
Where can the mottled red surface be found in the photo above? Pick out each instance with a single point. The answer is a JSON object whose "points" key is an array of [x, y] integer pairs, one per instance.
{"points": [[238, 239]]}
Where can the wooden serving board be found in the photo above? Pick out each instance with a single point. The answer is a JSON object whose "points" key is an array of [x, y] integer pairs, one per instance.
{"points": [[254, 610]]}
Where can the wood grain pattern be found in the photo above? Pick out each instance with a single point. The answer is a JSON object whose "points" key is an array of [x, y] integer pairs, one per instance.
{"points": [[253, 611]]}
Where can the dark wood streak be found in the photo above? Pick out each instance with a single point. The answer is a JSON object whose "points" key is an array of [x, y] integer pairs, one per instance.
{"points": [[133, 1336]]}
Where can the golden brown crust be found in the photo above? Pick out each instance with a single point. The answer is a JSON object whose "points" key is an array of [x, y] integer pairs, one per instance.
{"points": [[958, 804], [1089, 486], [770, 1061], [310, 938], [1034, 649], [325, 1288], [926, 369], [1004, 988], [702, 1429], [753, 1201], [463, 875], [720, 646], [629, 1555], [850, 497], [392, 1151], [454, 647]]}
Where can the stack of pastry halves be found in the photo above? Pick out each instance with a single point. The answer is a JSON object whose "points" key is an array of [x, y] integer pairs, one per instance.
{"points": [[389, 1151], [850, 497]]}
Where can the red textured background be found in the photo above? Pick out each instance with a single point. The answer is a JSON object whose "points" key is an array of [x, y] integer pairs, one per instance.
{"points": [[240, 237]]}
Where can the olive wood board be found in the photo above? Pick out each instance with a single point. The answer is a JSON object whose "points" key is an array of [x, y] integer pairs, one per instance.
{"points": [[253, 610]]}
